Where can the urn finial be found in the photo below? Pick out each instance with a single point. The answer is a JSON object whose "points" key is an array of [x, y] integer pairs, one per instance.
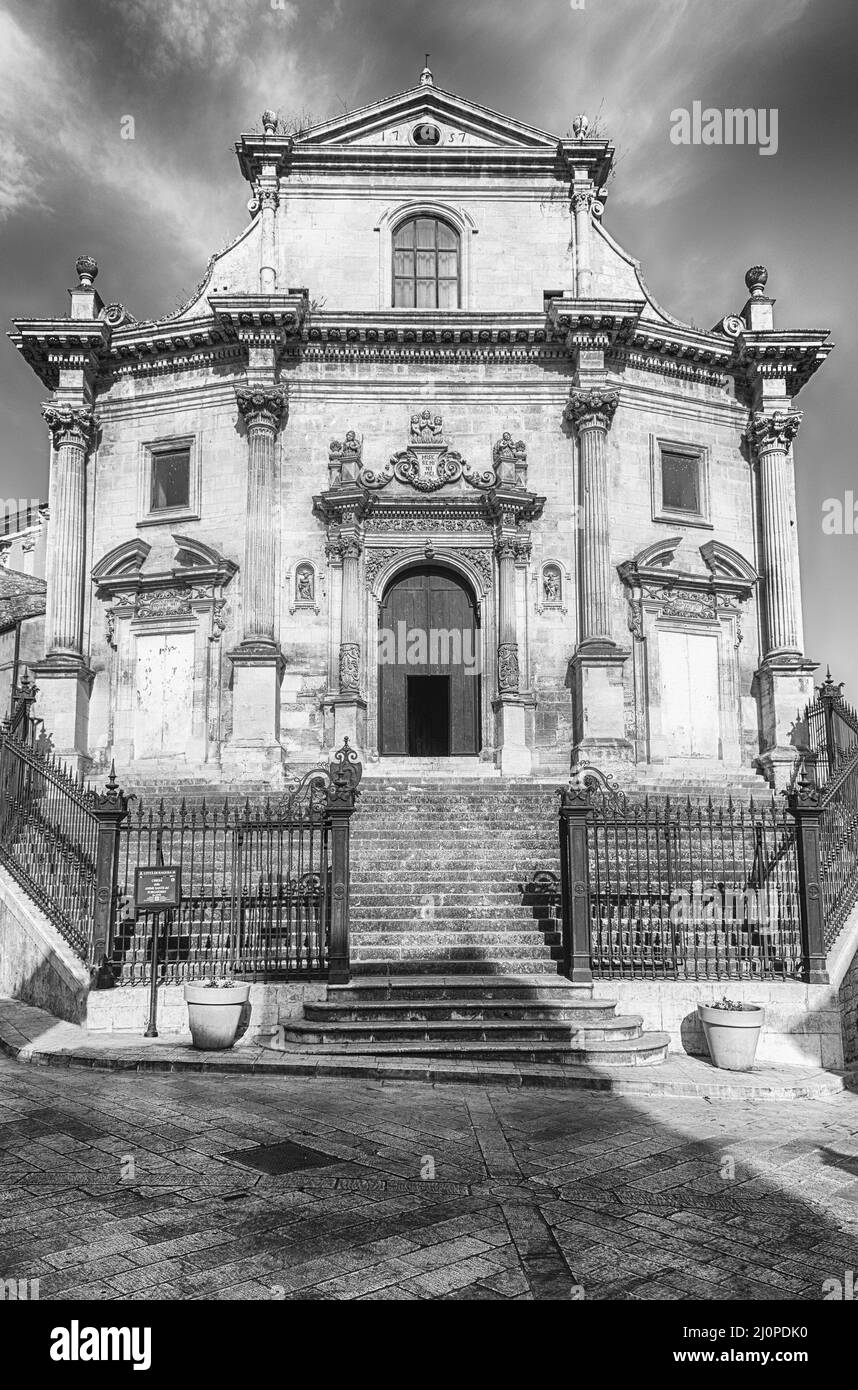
{"points": [[426, 78], [269, 121], [87, 269], [580, 126], [755, 279]]}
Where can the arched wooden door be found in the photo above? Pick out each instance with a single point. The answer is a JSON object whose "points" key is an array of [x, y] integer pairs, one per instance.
{"points": [[428, 666]]}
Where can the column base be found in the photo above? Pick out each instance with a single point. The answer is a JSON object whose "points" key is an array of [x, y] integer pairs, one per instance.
{"points": [[598, 702], [257, 670], [349, 721], [513, 755], [64, 685], [784, 687]]}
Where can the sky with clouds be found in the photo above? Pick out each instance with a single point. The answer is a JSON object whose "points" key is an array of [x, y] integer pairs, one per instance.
{"points": [[194, 73]]}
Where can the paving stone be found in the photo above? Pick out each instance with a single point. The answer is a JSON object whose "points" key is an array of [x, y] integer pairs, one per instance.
{"points": [[519, 1209]]}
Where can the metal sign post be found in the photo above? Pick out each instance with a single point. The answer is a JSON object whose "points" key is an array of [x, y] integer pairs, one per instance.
{"points": [[156, 890]]}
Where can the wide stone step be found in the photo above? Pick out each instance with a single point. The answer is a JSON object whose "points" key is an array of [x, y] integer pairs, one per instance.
{"points": [[518, 987], [439, 954], [446, 936], [585, 1013], [647, 1050], [496, 966], [360, 1031]]}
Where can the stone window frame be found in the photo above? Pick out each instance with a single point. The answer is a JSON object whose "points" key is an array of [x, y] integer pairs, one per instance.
{"points": [[168, 516], [459, 219], [659, 445]]}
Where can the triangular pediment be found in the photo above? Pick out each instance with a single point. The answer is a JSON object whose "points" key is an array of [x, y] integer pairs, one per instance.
{"points": [[400, 121]]}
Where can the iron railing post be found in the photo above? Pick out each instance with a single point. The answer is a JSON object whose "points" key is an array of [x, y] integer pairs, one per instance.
{"points": [[829, 696], [345, 773], [805, 806], [575, 884], [109, 810]]}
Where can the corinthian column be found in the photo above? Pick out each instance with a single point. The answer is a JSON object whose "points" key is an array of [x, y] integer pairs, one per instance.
{"points": [[257, 662], [63, 679], [770, 437], [785, 675], [71, 429], [597, 667], [262, 408], [591, 413]]}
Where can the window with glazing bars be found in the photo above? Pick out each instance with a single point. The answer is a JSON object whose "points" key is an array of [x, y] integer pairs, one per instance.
{"points": [[425, 265]]}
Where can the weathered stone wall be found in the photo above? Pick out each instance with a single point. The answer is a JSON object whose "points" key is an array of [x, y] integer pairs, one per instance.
{"points": [[36, 964], [802, 1027], [126, 1009], [849, 1012]]}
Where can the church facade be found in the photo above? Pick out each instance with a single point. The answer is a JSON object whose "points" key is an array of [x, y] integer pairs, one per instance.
{"points": [[423, 464]]}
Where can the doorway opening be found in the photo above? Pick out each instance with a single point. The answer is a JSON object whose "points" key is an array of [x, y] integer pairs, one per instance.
{"points": [[428, 666], [428, 716]]}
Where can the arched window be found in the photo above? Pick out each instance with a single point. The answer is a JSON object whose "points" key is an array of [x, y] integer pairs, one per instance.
{"points": [[425, 265]]}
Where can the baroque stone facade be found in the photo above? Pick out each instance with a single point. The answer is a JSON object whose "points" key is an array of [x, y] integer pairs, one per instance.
{"points": [[472, 403]]}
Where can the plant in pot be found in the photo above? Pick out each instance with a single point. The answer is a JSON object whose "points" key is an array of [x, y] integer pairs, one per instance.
{"points": [[218, 1011], [732, 1030]]}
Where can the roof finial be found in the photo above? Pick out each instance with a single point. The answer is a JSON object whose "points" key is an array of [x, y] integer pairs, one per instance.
{"points": [[426, 78]]}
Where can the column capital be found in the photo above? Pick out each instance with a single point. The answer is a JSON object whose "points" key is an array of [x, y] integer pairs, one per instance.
{"points": [[586, 200], [593, 408], [775, 431], [262, 407], [69, 424]]}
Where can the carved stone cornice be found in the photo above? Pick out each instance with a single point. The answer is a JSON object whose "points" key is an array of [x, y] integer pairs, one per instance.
{"points": [[262, 407], [69, 424], [592, 409], [773, 432]]}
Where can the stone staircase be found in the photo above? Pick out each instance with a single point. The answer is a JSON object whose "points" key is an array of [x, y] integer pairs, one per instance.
{"points": [[454, 951]]}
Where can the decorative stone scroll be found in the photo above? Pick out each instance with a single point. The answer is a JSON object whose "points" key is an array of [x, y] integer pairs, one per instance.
{"points": [[428, 463]]}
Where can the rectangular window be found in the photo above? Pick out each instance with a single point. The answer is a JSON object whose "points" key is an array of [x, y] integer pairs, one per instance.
{"points": [[171, 479], [680, 482]]}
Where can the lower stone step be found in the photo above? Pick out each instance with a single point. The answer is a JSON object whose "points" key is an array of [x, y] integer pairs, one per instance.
{"points": [[528, 1030], [585, 1013], [648, 1050]]}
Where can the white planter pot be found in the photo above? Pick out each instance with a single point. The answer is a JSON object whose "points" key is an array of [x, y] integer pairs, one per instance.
{"points": [[732, 1035], [214, 1015]]}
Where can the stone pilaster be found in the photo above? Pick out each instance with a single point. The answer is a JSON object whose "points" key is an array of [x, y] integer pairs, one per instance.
{"points": [[267, 198], [512, 703], [257, 662], [64, 679], [344, 550], [597, 667], [583, 202], [784, 680]]}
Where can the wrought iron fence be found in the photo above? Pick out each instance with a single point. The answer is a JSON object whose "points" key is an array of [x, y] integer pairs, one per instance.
{"points": [[48, 833], [654, 890], [838, 846], [264, 889], [255, 889], [831, 726]]}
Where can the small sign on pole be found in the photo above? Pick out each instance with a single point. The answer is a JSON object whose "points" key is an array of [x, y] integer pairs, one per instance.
{"points": [[157, 889]]}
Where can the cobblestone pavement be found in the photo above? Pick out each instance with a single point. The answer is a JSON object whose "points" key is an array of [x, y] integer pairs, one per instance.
{"points": [[170, 1186]]}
